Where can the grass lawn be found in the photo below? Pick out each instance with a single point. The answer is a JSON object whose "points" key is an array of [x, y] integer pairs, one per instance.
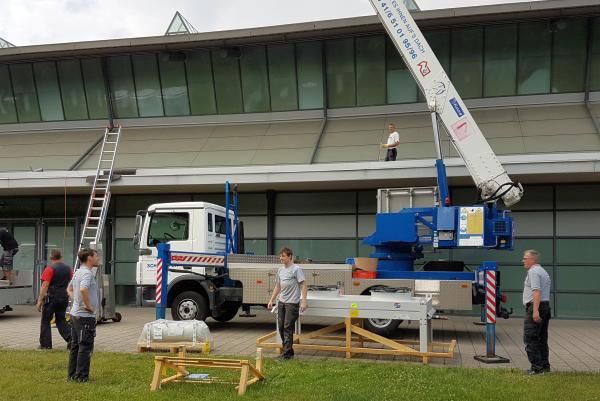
{"points": [[40, 375]]}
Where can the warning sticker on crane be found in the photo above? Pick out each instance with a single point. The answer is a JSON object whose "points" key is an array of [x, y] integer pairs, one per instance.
{"points": [[460, 129], [470, 226]]}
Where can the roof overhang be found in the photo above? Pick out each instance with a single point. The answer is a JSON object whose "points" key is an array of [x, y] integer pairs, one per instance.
{"points": [[537, 168], [304, 31]]}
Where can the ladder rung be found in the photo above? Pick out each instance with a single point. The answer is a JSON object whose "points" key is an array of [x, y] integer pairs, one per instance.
{"points": [[96, 208], [93, 218], [108, 151], [89, 237], [102, 198], [106, 160]]}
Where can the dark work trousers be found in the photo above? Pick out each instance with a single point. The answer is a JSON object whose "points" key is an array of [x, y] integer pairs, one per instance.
{"points": [[287, 315], [391, 154], [535, 336], [83, 332], [57, 307]]}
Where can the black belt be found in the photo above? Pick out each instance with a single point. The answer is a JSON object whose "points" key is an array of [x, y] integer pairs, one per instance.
{"points": [[541, 303]]}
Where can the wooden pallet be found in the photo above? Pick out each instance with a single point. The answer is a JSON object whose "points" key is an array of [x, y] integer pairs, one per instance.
{"points": [[355, 339], [249, 374], [175, 347]]}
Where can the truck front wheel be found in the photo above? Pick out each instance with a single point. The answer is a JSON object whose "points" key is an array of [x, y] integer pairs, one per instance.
{"points": [[189, 305]]}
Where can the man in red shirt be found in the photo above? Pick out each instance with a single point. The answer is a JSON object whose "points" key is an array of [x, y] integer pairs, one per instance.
{"points": [[53, 299]]}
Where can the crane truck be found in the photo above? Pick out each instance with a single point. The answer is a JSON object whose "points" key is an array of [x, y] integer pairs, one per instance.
{"points": [[223, 279]]}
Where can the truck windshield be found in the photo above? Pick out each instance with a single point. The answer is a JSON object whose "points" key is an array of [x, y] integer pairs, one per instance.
{"points": [[165, 227]]}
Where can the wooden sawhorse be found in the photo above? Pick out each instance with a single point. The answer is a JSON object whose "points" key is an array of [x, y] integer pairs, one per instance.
{"points": [[179, 364]]}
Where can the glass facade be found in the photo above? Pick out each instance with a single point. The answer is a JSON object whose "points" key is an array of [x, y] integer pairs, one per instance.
{"points": [[505, 59]]}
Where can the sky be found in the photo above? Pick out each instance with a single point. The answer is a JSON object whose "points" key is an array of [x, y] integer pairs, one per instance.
{"points": [[31, 22]]}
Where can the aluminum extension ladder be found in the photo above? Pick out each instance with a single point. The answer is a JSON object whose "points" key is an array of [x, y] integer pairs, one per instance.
{"points": [[97, 210]]}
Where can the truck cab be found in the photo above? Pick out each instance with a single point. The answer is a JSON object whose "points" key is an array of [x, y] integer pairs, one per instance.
{"points": [[197, 227]]}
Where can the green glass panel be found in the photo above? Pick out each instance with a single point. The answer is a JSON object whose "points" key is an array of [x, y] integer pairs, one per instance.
{"points": [[282, 78], [500, 73], [122, 86], [569, 56], [125, 251], [364, 250], [200, 83], [26, 258], [534, 58], [59, 236], [147, 85], [46, 79], [255, 81], [72, 90], [20, 207], [578, 278], [476, 256], [401, 86], [595, 56], [319, 250], [25, 94], [125, 273], [367, 201], [341, 88], [439, 41], [95, 88], [577, 305], [467, 61], [575, 251], [228, 86], [174, 86], [255, 246], [8, 113], [512, 277], [58, 206], [370, 71], [309, 66]]}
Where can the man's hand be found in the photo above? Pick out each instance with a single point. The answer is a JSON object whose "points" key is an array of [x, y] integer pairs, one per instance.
{"points": [[383, 145], [270, 305], [536, 317], [303, 305], [39, 305]]}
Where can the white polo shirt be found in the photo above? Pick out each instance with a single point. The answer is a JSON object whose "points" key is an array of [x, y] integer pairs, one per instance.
{"points": [[393, 138]]}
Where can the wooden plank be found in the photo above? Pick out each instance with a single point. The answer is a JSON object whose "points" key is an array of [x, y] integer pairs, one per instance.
{"points": [[155, 384], [243, 380], [324, 330], [382, 340], [348, 324]]}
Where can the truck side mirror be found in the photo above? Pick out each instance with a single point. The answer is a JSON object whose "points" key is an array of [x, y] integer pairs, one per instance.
{"points": [[137, 234]]}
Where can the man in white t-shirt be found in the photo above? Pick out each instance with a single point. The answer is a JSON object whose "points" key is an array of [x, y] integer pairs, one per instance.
{"points": [[392, 143]]}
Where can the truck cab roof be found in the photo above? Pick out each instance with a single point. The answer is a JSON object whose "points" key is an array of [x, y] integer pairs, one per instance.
{"points": [[186, 205]]}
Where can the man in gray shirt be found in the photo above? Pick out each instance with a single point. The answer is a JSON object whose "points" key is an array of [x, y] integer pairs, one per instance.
{"points": [[536, 298], [291, 292], [83, 291]]}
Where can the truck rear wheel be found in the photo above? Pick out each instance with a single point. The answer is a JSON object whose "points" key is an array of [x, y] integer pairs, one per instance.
{"points": [[383, 327], [189, 305]]}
